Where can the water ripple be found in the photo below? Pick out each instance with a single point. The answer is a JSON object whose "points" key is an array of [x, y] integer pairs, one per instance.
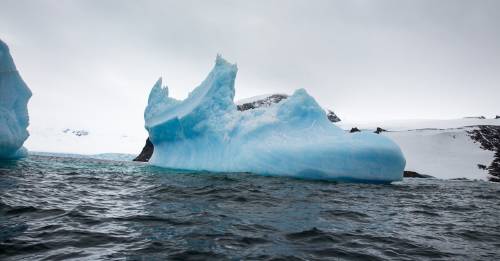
{"points": [[54, 208]]}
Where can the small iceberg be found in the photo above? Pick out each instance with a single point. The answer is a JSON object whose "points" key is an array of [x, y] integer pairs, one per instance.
{"points": [[293, 138], [14, 96]]}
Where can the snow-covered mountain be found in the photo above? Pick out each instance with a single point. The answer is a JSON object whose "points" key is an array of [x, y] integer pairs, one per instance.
{"points": [[456, 148], [82, 140]]}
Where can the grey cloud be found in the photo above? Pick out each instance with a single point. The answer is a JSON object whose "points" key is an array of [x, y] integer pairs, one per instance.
{"points": [[365, 59]]}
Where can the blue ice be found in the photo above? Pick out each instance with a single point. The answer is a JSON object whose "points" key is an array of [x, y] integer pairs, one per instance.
{"points": [[293, 138], [14, 96]]}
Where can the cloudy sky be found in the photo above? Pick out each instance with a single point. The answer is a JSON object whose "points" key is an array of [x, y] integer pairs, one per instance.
{"points": [[92, 63]]}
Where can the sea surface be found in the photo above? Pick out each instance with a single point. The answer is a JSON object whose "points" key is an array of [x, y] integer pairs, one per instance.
{"points": [[56, 208]]}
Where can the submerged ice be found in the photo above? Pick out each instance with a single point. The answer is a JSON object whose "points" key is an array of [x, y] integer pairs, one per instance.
{"points": [[206, 132], [14, 96]]}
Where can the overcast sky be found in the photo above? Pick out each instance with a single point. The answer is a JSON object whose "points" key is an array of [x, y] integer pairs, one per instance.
{"points": [[93, 63]]}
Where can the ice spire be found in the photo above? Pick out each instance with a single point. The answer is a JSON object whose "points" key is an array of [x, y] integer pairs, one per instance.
{"points": [[14, 96]]}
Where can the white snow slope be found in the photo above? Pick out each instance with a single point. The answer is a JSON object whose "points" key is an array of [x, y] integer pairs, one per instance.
{"points": [[96, 141], [440, 148]]}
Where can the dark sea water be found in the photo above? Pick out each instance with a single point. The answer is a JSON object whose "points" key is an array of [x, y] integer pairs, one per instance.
{"points": [[54, 208]]}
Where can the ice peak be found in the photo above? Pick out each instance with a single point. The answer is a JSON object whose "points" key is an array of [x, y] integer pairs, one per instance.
{"points": [[159, 81], [4, 48], [220, 61], [6, 61], [160, 87]]}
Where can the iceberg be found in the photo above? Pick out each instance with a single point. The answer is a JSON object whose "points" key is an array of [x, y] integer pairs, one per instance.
{"points": [[14, 96], [293, 138]]}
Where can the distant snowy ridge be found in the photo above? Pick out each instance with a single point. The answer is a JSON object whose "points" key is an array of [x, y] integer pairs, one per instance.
{"points": [[418, 124], [14, 96], [260, 101], [259, 98], [78, 139], [78, 133], [447, 149]]}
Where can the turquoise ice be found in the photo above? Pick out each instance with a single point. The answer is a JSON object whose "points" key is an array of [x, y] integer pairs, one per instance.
{"points": [[205, 132], [14, 96]]}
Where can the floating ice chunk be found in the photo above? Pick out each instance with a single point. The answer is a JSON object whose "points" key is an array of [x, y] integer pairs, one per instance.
{"points": [[206, 132], [14, 96]]}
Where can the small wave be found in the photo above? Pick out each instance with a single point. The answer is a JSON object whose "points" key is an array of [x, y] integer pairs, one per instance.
{"points": [[58, 208], [196, 255]]}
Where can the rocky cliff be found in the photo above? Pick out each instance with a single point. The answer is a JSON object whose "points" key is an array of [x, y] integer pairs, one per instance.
{"points": [[489, 138]]}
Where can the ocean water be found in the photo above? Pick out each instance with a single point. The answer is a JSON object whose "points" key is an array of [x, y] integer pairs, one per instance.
{"points": [[55, 208]]}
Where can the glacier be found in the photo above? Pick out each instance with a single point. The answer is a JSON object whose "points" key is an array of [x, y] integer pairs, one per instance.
{"points": [[293, 138], [14, 96]]}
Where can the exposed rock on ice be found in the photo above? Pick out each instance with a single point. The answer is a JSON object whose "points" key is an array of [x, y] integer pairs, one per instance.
{"points": [[146, 153], [332, 116], [268, 100], [475, 117], [260, 101], [413, 174], [294, 137], [14, 96], [354, 129]]}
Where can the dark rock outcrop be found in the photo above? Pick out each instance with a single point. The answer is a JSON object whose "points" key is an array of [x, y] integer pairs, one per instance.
{"points": [[379, 130], [78, 133], [275, 98], [489, 138], [332, 116], [146, 152], [413, 174], [497, 117], [475, 117], [355, 129]]}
